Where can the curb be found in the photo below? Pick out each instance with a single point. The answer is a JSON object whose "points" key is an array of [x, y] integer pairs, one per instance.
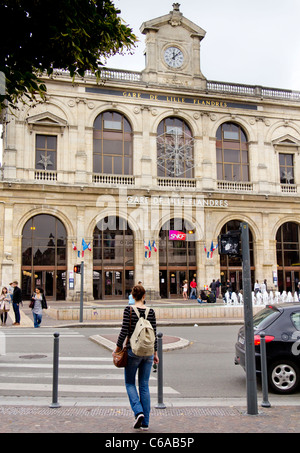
{"points": [[110, 345]]}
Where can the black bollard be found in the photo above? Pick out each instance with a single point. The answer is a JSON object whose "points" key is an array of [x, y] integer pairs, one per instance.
{"points": [[264, 372], [160, 404], [55, 403]]}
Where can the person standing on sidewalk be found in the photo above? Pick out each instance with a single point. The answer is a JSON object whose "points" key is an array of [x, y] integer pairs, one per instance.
{"points": [[140, 403], [38, 303], [4, 305], [17, 300], [193, 286]]}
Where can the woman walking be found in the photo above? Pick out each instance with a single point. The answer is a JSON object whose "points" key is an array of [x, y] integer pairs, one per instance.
{"points": [[38, 303], [140, 403], [4, 305]]}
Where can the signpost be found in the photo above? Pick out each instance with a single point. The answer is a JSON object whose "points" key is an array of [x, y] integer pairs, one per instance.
{"points": [[229, 244], [81, 291]]}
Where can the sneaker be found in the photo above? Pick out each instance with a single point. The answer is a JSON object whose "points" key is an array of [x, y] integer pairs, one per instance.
{"points": [[138, 420], [144, 427]]}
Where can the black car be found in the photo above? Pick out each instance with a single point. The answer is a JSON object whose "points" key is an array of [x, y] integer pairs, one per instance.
{"points": [[281, 324]]}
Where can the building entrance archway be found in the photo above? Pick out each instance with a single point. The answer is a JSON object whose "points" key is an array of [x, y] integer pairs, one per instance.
{"points": [[44, 257], [113, 260], [177, 257]]}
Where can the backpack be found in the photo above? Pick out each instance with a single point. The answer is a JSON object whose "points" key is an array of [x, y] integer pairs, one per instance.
{"points": [[143, 337]]}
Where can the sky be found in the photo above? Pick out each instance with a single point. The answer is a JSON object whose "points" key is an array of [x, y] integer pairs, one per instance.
{"points": [[253, 42]]}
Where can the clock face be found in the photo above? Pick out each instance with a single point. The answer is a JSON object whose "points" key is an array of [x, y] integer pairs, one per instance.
{"points": [[174, 57]]}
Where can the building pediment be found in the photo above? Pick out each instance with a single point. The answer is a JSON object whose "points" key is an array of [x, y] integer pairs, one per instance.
{"points": [[46, 120], [286, 140], [175, 18]]}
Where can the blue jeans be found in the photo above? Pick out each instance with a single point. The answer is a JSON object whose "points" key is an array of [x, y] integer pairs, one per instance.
{"points": [[37, 319], [17, 312], [139, 402]]}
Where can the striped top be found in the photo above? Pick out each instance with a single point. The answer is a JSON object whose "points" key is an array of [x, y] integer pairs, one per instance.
{"points": [[134, 319]]}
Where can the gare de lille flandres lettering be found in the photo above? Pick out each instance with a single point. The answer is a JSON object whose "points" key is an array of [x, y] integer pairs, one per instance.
{"points": [[177, 201]]}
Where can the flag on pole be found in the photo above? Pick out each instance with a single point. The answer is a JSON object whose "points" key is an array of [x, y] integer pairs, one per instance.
{"points": [[146, 249], [74, 246], [207, 253], [212, 248], [149, 247], [154, 246], [84, 245]]}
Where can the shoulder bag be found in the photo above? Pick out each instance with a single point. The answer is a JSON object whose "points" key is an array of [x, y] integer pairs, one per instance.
{"points": [[120, 358]]}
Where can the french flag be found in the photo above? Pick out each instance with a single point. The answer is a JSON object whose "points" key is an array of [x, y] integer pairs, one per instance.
{"points": [[146, 249], [154, 246]]}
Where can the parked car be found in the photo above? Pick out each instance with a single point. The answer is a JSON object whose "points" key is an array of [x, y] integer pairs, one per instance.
{"points": [[281, 324]]}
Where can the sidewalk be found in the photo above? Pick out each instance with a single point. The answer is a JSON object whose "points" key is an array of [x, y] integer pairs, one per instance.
{"points": [[115, 417], [111, 420]]}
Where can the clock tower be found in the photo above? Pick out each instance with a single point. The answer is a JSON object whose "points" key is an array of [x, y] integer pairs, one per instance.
{"points": [[173, 51]]}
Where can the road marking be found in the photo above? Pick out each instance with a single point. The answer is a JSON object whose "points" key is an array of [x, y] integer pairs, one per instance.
{"points": [[75, 388]]}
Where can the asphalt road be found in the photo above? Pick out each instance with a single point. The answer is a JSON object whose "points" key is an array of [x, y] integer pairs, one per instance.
{"points": [[203, 370]]}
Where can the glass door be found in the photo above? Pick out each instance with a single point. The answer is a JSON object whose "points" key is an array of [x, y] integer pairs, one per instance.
{"points": [[113, 284]]}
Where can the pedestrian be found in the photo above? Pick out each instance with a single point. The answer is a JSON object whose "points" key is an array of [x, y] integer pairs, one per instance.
{"points": [[4, 305], [213, 287], [17, 300], [130, 297], [263, 287], [140, 403], [193, 286], [10, 291], [218, 284], [229, 287], [38, 304], [256, 287], [185, 289]]}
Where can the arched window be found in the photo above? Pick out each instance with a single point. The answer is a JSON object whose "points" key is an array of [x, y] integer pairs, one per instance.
{"points": [[288, 256], [232, 153], [44, 256], [113, 257], [231, 266], [175, 149], [112, 144], [177, 257]]}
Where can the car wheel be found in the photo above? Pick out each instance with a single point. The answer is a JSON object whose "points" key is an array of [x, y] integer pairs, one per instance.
{"points": [[284, 376]]}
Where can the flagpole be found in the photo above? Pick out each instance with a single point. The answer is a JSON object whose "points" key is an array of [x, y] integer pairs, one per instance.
{"points": [[81, 291]]}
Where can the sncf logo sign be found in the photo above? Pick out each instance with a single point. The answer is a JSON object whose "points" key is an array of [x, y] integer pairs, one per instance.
{"points": [[175, 235]]}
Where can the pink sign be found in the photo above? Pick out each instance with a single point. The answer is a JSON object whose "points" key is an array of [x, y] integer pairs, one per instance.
{"points": [[175, 235]]}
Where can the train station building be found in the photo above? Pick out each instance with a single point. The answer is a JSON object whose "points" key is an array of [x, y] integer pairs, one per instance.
{"points": [[137, 175]]}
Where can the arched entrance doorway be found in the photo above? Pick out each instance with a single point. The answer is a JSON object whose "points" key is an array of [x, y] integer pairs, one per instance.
{"points": [[44, 257], [231, 266], [177, 257], [288, 256], [113, 260]]}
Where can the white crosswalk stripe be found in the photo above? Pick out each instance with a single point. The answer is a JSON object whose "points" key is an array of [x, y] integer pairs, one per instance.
{"points": [[32, 378]]}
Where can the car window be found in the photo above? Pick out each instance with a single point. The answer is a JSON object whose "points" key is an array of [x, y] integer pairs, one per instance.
{"points": [[296, 320], [265, 317]]}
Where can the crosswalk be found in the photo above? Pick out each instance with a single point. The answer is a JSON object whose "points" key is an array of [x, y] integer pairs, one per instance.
{"points": [[31, 374]]}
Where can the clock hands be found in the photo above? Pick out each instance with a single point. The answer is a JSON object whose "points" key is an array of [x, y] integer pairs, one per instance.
{"points": [[175, 55]]}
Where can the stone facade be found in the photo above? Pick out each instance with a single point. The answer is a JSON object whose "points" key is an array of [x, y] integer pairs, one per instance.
{"points": [[79, 197]]}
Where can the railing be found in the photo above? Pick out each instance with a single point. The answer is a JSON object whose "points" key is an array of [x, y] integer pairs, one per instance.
{"points": [[43, 175], [107, 74], [232, 186], [176, 182], [288, 188], [253, 90], [119, 180], [211, 86]]}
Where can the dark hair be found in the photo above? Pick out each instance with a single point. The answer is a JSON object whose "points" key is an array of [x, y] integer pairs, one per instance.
{"points": [[138, 292], [40, 289]]}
